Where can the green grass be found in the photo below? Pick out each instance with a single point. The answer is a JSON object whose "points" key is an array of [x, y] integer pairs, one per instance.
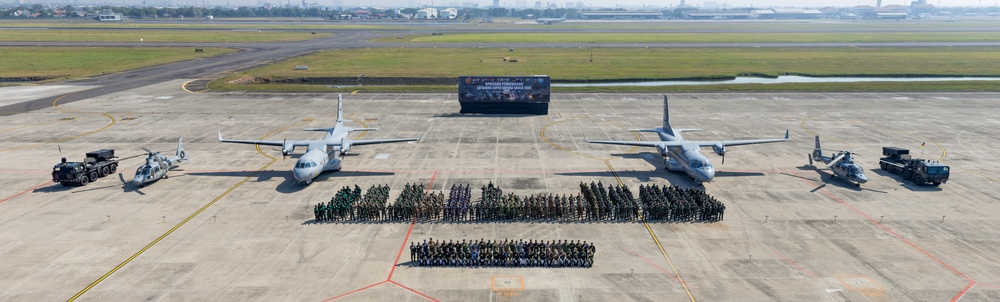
{"points": [[829, 37], [800, 87], [74, 62], [573, 64], [154, 36]]}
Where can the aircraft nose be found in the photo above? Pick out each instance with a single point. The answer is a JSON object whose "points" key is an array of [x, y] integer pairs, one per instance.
{"points": [[861, 178], [706, 175], [300, 174]]}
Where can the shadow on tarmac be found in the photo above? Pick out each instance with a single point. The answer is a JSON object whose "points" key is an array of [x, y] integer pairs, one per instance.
{"points": [[907, 184]]}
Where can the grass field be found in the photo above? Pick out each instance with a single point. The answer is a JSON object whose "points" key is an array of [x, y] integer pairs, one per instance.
{"points": [[762, 37], [804, 87], [574, 64], [152, 36], [74, 62]]}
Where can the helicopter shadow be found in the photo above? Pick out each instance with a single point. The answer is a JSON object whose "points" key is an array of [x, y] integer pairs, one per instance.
{"points": [[291, 185], [907, 184], [826, 178]]}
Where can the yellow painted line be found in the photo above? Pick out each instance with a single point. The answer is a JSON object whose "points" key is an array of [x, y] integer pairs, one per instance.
{"points": [[192, 216], [184, 86], [656, 240], [55, 104], [151, 244], [355, 92]]}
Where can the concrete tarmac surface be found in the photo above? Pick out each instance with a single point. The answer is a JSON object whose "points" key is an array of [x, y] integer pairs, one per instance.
{"points": [[234, 225]]}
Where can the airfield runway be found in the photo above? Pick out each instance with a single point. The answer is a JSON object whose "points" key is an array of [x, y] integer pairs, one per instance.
{"points": [[233, 225]]}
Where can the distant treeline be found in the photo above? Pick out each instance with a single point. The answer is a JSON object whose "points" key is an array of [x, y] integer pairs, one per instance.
{"points": [[69, 11]]}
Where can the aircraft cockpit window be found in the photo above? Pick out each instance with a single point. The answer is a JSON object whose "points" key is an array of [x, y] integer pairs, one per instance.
{"points": [[699, 165], [305, 165]]}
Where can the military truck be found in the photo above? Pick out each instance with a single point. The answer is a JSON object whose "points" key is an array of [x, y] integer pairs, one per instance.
{"points": [[96, 164], [918, 170]]}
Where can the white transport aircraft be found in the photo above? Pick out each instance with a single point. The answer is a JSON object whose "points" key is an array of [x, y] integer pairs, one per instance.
{"points": [[321, 155]]}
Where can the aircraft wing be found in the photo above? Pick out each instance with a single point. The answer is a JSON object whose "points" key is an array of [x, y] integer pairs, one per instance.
{"points": [[740, 142], [382, 141], [632, 143], [266, 143]]}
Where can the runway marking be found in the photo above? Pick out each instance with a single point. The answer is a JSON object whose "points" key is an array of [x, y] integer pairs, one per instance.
{"points": [[650, 262], [55, 104], [355, 291], [396, 263], [887, 230], [26, 191], [656, 240], [792, 263], [962, 293], [182, 223], [151, 244]]}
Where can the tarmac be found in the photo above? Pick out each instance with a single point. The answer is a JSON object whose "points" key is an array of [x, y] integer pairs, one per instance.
{"points": [[234, 225]]}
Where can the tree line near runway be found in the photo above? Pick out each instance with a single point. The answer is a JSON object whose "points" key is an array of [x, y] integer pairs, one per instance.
{"points": [[595, 202]]}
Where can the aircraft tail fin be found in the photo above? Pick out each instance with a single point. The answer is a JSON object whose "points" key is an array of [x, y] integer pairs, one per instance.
{"points": [[180, 148], [340, 109], [818, 151], [666, 117]]}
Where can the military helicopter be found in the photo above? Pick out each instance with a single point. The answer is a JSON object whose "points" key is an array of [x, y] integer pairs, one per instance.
{"points": [[156, 166], [842, 164]]}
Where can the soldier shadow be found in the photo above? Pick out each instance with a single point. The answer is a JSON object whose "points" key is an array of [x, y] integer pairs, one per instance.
{"points": [[907, 184], [655, 176], [475, 115]]}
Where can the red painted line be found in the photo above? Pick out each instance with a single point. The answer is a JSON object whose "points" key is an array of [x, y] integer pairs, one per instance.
{"points": [[432, 181], [887, 230], [400, 254], [354, 291], [986, 284], [962, 293], [26, 191], [415, 292], [651, 263], [792, 263]]}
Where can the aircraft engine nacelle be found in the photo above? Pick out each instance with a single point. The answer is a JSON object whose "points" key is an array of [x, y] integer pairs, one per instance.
{"points": [[719, 149], [344, 147], [287, 148], [662, 150]]}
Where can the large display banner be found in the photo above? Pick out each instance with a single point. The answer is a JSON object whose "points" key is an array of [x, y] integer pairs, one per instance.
{"points": [[524, 89]]}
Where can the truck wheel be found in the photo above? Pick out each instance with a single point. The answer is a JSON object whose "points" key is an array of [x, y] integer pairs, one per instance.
{"points": [[937, 183], [84, 180], [64, 184], [114, 168], [93, 176], [105, 171], [907, 175], [919, 180], [883, 166]]}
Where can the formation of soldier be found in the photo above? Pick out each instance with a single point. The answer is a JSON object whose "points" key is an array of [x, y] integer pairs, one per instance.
{"points": [[672, 203], [595, 202], [506, 253], [459, 201]]}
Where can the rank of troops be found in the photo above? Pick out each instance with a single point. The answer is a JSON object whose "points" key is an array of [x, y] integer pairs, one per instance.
{"points": [[595, 202], [506, 253]]}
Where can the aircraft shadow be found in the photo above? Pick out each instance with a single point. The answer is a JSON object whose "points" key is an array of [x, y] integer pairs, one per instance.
{"points": [[907, 184], [290, 185], [261, 176]]}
